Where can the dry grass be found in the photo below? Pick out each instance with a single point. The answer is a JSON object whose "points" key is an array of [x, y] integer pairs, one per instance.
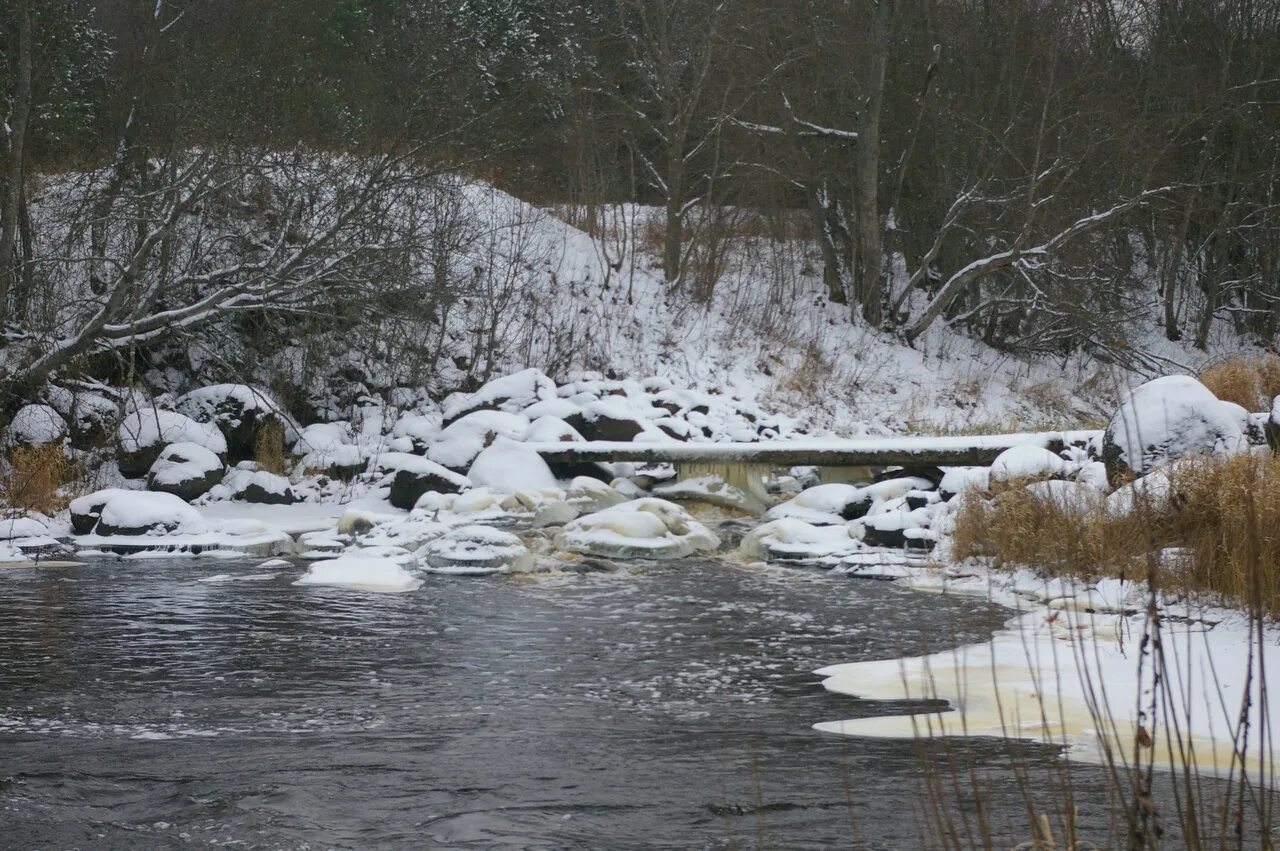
{"points": [[268, 447], [33, 478], [1218, 534], [1249, 380]]}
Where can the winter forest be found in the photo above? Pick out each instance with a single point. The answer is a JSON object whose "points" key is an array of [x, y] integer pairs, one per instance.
{"points": [[415, 411]]}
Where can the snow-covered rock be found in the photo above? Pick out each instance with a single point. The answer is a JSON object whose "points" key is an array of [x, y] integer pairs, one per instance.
{"points": [[510, 393], [507, 466], [186, 470], [36, 425], [362, 573], [458, 444], [957, 480], [144, 432], [329, 449], [476, 550], [793, 539], [260, 486], [642, 528], [123, 512], [824, 505], [711, 490], [413, 475], [1026, 462], [90, 417], [240, 412], [1166, 419]]}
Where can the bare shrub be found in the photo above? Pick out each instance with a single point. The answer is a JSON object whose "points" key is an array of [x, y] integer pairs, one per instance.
{"points": [[268, 447], [33, 478]]}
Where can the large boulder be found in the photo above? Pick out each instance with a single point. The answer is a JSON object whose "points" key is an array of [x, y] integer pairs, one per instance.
{"points": [[124, 512], [507, 467], [186, 470], [36, 425], [240, 412], [1166, 419], [145, 432], [510, 393], [413, 475]]}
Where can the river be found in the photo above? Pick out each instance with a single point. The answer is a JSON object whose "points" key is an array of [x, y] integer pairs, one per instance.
{"points": [[656, 706]]}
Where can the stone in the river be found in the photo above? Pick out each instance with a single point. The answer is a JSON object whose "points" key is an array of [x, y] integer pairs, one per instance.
{"points": [[186, 470]]}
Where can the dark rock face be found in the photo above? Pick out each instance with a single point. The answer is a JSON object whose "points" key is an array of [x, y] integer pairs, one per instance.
{"points": [[408, 486], [605, 427]]}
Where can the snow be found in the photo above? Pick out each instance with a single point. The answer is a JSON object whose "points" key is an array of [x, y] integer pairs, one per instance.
{"points": [[820, 505], [146, 427], [507, 466], [15, 528], [1030, 680], [36, 425], [362, 573]]}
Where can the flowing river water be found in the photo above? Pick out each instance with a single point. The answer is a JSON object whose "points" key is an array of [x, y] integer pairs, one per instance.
{"points": [[655, 706]]}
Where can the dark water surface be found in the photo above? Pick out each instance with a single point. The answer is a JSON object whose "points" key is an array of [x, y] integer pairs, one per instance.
{"points": [[656, 707]]}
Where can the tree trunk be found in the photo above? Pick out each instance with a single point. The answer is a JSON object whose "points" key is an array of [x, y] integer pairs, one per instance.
{"points": [[673, 235], [20, 119], [830, 259], [870, 274]]}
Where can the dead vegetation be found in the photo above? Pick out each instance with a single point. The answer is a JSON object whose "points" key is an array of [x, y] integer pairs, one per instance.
{"points": [[1252, 381], [33, 479], [1216, 533]]}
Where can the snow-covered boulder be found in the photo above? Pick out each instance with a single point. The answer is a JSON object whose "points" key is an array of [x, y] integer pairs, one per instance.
{"points": [[899, 527], [146, 431], [36, 425], [587, 495], [329, 449], [124, 512], [507, 466], [362, 573], [958, 480], [186, 470], [476, 550], [510, 393], [1027, 462], [240, 412], [90, 417], [420, 429], [414, 475], [642, 528], [607, 420], [461, 441], [1166, 419], [824, 505], [792, 539], [260, 486]]}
